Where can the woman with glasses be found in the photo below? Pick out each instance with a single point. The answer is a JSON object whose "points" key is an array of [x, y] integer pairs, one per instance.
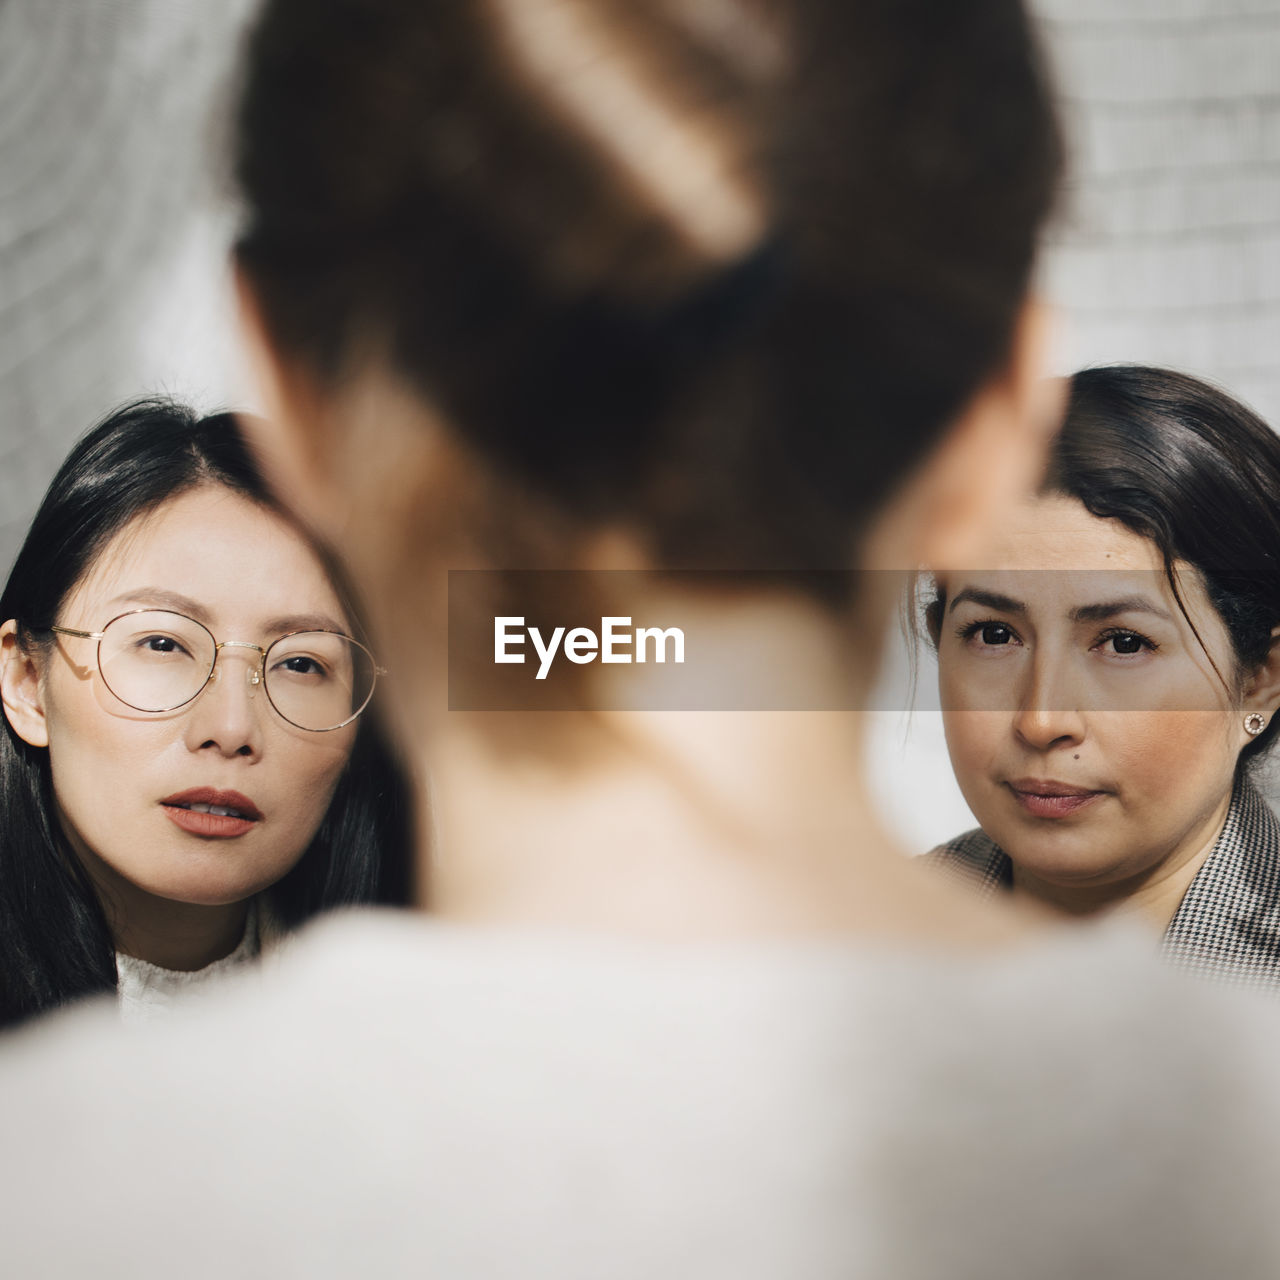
{"points": [[185, 766]]}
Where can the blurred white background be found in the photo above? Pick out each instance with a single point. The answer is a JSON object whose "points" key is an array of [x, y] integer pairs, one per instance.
{"points": [[115, 217]]}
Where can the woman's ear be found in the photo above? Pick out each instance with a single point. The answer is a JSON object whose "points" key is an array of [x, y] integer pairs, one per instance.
{"points": [[1262, 690], [335, 453], [991, 457], [20, 692], [997, 450], [286, 441]]}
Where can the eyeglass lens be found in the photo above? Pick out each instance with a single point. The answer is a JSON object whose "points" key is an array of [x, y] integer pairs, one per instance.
{"points": [[158, 661]]}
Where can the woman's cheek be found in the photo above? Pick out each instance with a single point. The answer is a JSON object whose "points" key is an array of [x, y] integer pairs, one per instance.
{"points": [[1161, 755], [91, 754], [973, 741], [317, 769]]}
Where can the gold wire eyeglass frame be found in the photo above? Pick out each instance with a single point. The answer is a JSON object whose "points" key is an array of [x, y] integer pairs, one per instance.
{"points": [[257, 675]]}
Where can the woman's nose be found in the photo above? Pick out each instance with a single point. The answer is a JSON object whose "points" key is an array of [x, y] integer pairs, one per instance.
{"points": [[1049, 712], [228, 714]]}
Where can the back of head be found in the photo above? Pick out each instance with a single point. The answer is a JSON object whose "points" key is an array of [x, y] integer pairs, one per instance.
{"points": [[719, 270]]}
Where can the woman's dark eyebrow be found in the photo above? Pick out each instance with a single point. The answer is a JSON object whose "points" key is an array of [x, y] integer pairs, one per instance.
{"points": [[1109, 608], [988, 600], [1081, 613], [302, 622], [159, 598]]}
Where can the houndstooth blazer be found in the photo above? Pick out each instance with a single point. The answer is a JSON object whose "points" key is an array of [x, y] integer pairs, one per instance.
{"points": [[1227, 926]]}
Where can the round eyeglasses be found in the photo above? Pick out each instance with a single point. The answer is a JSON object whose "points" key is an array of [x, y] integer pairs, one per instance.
{"points": [[158, 660]]}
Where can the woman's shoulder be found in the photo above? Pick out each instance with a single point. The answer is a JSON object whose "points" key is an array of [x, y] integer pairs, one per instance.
{"points": [[1227, 926]]}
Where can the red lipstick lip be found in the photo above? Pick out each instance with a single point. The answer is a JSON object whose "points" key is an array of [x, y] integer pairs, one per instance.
{"points": [[218, 826], [210, 795], [214, 826]]}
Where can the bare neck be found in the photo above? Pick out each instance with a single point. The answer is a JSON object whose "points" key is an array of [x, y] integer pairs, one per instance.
{"points": [[171, 935], [685, 825]]}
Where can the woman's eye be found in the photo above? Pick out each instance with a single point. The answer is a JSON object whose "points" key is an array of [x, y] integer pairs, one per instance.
{"points": [[160, 644], [300, 665], [1125, 644], [988, 635]]}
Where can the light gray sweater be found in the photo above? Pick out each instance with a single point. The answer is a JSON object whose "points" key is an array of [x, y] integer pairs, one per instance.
{"points": [[396, 1097]]}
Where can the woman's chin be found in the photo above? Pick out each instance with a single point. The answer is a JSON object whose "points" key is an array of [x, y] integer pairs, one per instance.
{"points": [[1067, 860], [1070, 855], [203, 889]]}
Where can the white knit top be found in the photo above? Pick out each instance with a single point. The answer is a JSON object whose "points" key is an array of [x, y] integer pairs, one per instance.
{"points": [[148, 992]]}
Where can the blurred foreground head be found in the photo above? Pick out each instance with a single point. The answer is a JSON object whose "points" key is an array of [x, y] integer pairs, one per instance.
{"points": [[712, 276]]}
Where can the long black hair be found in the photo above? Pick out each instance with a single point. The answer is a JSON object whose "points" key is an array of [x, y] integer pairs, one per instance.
{"points": [[55, 941]]}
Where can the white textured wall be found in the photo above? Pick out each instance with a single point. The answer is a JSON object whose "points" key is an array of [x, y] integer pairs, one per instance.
{"points": [[1170, 248], [112, 231]]}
